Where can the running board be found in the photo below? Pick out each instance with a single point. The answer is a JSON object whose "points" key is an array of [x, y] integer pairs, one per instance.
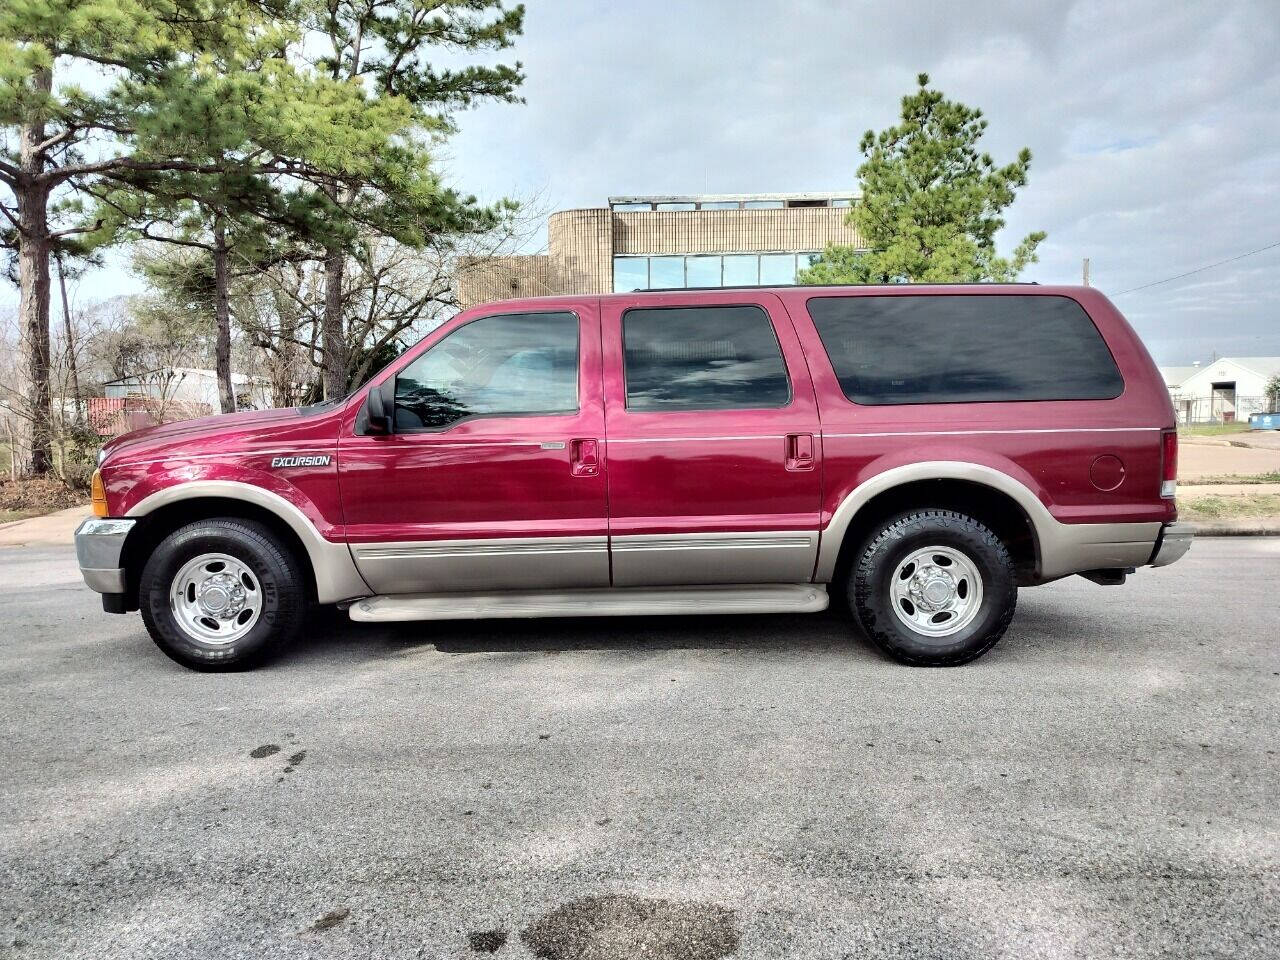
{"points": [[604, 602]]}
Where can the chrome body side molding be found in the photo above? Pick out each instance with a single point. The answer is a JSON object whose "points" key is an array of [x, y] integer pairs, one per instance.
{"points": [[517, 563], [708, 558], [605, 602], [1062, 548], [336, 575]]}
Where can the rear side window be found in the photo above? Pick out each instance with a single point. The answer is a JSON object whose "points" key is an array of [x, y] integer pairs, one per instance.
{"points": [[964, 349], [702, 358]]}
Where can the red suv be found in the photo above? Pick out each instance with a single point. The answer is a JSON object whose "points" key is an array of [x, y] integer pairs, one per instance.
{"points": [[923, 451]]}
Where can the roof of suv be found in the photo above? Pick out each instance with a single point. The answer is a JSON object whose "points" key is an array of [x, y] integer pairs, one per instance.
{"points": [[791, 290]]}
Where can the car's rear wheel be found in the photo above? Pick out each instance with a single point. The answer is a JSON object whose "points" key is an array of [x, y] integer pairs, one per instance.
{"points": [[933, 588], [222, 594]]}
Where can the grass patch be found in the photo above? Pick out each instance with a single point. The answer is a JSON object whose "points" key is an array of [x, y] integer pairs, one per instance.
{"points": [[9, 516], [1212, 429], [1229, 508], [1272, 477]]}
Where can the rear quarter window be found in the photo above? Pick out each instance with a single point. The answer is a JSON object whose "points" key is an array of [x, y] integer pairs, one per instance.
{"points": [[964, 349]]}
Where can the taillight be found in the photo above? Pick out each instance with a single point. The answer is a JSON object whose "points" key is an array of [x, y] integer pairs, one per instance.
{"points": [[1169, 463]]}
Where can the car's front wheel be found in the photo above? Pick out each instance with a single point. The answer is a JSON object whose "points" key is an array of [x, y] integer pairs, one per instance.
{"points": [[222, 594], [933, 588]]}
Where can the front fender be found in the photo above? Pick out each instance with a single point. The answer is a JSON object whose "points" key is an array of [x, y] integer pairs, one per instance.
{"points": [[336, 575]]}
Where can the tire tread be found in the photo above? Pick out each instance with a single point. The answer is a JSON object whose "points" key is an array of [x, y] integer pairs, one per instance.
{"points": [[865, 568], [291, 606]]}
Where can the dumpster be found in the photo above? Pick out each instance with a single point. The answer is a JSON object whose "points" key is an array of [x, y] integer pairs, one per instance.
{"points": [[1264, 421]]}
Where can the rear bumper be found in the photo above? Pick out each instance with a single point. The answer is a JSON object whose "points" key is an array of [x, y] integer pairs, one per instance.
{"points": [[1175, 540], [99, 544]]}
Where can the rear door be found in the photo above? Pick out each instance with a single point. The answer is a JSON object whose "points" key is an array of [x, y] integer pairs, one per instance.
{"points": [[713, 451], [492, 479]]}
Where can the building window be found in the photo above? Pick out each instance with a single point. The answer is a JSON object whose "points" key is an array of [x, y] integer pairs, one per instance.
{"points": [[777, 269], [702, 358], [702, 271], [721, 205], [741, 270], [666, 272], [675, 206], [842, 203], [630, 273], [698, 270], [762, 204], [632, 207]]}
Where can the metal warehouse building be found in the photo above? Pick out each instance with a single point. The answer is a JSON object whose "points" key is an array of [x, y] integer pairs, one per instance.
{"points": [[671, 241]]}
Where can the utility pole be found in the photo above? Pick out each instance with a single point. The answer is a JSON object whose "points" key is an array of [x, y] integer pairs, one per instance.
{"points": [[1086, 271]]}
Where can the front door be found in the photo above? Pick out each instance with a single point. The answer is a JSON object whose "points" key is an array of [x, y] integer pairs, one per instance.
{"points": [[713, 442], [492, 477]]}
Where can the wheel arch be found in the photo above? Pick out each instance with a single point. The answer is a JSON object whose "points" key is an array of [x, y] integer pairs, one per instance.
{"points": [[1001, 502], [329, 567]]}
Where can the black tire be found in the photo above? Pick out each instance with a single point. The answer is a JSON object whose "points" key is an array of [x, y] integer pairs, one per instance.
{"points": [[892, 543], [284, 599]]}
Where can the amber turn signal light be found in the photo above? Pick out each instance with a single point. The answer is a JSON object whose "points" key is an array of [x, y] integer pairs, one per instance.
{"points": [[98, 494]]}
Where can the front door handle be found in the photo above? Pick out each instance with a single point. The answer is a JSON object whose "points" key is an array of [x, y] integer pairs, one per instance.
{"points": [[800, 451], [584, 458]]}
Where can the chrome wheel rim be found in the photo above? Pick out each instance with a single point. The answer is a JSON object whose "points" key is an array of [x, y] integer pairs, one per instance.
{"points": [[216, 599], [936, 591]]}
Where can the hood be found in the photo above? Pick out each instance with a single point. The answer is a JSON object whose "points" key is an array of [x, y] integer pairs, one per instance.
{"points": [[206, 433]]}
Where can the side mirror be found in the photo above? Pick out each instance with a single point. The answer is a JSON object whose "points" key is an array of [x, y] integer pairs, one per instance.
{"points": [[376, 419]]}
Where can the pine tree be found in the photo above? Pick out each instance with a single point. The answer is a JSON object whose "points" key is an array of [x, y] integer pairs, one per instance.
{"points": [[931, 203]]}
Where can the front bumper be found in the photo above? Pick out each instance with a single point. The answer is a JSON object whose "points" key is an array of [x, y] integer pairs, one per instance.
{"points": [[99, 543], [1175, 540]]}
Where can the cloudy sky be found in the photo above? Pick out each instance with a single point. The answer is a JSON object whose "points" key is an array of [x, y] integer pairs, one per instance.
{"points": [[1155, 127]]}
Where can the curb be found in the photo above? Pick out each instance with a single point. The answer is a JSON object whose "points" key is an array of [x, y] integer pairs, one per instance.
{"points": [[1255, 527]]}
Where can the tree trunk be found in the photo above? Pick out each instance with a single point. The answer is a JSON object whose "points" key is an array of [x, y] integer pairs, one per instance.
{"points": [[222, 315], [33, 270], [71, 342], [333, 337]]}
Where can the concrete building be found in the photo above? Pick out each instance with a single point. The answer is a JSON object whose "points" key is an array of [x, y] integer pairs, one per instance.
{"points": [[638, 243], [1225, 390]]}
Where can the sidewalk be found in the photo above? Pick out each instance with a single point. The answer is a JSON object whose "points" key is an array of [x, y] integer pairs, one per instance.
{"points": [[51, 530], [1200, 490], [1212, 457]]}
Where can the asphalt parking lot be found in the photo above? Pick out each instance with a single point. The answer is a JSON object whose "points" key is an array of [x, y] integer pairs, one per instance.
{"points": [[1104, 783]]}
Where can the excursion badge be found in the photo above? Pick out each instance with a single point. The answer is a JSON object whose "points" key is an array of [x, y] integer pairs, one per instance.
{"points": [[311, 460]]}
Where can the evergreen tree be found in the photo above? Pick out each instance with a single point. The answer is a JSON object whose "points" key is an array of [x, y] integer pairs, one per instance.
{"points": [[931, 202], [383, 45]]}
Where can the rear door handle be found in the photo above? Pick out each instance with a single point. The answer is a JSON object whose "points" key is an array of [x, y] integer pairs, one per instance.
{"points": [[800, 451], [584, 458]]}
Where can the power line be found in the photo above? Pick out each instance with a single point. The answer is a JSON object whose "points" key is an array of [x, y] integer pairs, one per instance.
{"points": [[1210, 266]]}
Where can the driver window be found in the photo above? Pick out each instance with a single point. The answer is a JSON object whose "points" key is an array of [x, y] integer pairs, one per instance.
{"points": [[508, 365]]}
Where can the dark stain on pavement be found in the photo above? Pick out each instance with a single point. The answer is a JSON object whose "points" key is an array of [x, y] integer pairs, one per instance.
{"points": [[620, 927], [294, 760], [266, 750], [329, 920], [487, 941]]}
